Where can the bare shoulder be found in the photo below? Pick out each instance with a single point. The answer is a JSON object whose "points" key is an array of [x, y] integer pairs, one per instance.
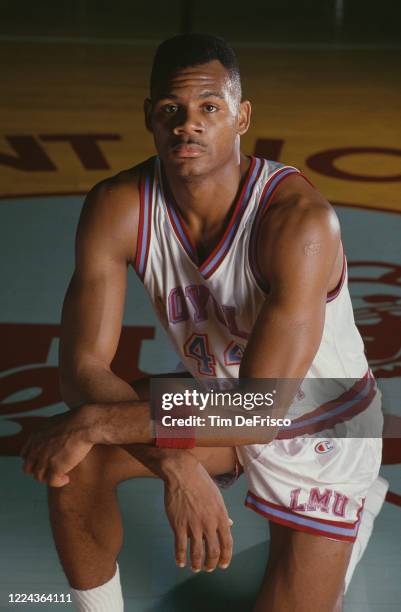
{"points": [[110, 214], [300, 223], [299, 211]]}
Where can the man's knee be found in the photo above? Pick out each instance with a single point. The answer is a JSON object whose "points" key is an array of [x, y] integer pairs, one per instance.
{"points": [[91, 473], [105, 467], [92, 469], [98, 470]]}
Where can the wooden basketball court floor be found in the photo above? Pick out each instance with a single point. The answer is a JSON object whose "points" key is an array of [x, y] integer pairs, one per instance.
{"points": [[70, 116]]}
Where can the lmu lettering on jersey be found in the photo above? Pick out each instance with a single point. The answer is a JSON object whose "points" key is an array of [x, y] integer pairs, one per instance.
{"points": [[329, 501], [198, 298]]}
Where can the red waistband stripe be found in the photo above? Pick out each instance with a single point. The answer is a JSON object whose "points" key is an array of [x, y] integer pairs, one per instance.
{"points": [[339, 410]]}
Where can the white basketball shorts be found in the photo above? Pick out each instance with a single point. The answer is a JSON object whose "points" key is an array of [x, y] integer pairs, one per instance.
{"points": [[316, 485]]}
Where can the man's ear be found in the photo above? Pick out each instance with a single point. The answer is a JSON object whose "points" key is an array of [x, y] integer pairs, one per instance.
{"points": [[147, 109], [244, 117]]}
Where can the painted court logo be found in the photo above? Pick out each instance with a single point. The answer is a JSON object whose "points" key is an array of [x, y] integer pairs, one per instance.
{"points": [[325, 446], [376, 296]]}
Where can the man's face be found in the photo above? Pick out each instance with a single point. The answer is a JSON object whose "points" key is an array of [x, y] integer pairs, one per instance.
{"points": [[196, 119]]}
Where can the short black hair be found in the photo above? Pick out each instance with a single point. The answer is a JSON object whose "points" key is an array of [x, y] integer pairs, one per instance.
{"points": [[187, 50]]}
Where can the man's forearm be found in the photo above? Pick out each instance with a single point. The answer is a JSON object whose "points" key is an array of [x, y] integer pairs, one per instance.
{"points": [[119, 423], [97, 385], [129, 423], [93, 384]]}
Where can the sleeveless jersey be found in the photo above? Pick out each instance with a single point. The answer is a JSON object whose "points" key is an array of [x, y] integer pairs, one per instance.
{"points": [[208, 308]]}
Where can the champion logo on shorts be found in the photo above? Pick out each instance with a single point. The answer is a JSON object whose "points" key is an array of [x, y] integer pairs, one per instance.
{"points": [[325, 446]]}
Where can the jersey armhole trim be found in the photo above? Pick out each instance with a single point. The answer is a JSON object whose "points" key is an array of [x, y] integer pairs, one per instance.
{"points": [[264, 202], [146, 183], [331, 295], [337, 290]]}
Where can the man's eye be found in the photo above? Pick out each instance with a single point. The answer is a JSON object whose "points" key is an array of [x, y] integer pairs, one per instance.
{"points": [[210, 108], [170, 108]]}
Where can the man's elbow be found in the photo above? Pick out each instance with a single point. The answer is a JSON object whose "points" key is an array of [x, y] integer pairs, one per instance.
{"points": [[71, 382], [68, 390]]}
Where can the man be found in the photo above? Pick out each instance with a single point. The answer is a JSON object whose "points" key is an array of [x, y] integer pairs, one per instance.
{"points": [[243, 261]]}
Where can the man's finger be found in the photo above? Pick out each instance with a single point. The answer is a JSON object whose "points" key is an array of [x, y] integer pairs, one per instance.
{"points": [[26, 467], [181, 542], [25, 448], [56, 474], [226, 546], [196, 552], [54, 479], [29, 464], [39, 472], [212, 551]]}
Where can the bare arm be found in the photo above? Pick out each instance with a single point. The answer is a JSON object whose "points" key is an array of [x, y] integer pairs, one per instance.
{"points": [[300, 255], [93, 311], [91, 326], [93, 306]]}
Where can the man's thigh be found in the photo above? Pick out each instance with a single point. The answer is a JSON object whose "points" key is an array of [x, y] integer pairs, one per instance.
{"points": [[304, 572]]}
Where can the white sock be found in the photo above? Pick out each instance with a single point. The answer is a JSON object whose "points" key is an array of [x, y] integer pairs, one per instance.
{"points": [[105, 598]]}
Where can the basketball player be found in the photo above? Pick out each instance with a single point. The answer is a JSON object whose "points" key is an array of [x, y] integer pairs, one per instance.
{"points": [[243, 261]]}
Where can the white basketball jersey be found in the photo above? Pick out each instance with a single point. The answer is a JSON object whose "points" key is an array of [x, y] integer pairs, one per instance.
{"points": [[208, 308]]}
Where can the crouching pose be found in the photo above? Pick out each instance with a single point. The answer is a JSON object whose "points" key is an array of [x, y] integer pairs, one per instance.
{"points": [[243, 262]]}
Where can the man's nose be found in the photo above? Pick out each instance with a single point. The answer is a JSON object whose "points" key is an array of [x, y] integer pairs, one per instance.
{"points": [[188, 122]]}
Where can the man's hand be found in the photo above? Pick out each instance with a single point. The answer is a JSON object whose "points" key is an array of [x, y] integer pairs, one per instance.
{"points": [[55, 449], [195, 509]]}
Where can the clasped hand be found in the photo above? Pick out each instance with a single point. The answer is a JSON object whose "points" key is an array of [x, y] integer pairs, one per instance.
{"points": [[51, 452], [196, 511], [194, 505]]}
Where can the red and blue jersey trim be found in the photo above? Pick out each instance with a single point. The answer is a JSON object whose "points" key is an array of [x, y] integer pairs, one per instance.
{"points": [[338, 530], [335, 292], [264, 202], [351, 403], [179, 227], [145, 218], [210, 265]]}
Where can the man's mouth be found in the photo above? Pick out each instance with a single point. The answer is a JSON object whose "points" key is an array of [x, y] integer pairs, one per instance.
{"points": [[186, 150]]}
